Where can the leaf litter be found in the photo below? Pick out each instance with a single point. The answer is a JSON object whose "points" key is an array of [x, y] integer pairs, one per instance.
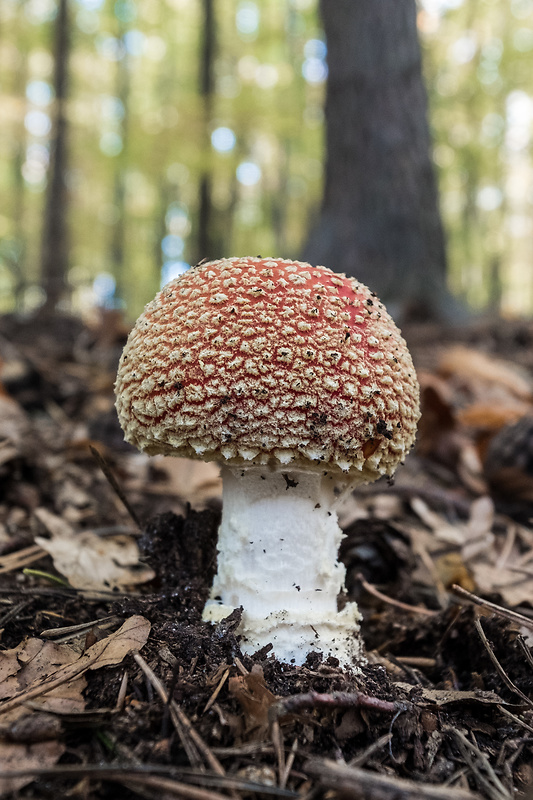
{"points": [[112, 686]]}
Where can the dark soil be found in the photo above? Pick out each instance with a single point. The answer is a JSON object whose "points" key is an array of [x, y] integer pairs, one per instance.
{"points": [[279, 730]]}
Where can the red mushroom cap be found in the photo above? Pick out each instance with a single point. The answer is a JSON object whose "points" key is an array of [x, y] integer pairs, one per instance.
{"points": [[269, 361]]}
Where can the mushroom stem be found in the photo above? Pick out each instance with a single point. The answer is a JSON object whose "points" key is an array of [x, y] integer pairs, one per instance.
{"points": [[278, 544]]}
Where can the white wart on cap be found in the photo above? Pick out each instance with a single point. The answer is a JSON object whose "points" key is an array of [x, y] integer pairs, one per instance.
{"points": [[268, 361]]}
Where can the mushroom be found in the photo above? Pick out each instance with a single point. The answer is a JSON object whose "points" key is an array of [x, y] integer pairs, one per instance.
{"points": [[297, 381]]}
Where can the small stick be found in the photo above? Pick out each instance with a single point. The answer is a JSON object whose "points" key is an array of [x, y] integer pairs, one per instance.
{"points": [[277, 740], [21, 558], [53, 633], [13, 612], [297, 702], [500, 670], [192, 753], [180, 719], [515, 719], [525, 651], [240, 666], [288, 765], [404, 606], [217, 691], [362, 758], [358, 783], [156, 776], [104, 466], [121, 698], [513, 616], [420, 662], [480, 766]]}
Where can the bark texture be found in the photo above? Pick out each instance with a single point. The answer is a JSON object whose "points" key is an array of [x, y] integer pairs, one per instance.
{"points": [[55, 245], [206, 247], [380, 219]]}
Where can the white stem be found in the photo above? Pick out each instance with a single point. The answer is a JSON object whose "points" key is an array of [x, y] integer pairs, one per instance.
{"points": [[278, 543]]}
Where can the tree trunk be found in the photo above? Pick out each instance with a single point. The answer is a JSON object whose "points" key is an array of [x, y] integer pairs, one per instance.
{"points": [[118, 233], [205, 244], [380, 219], [55, 249]]}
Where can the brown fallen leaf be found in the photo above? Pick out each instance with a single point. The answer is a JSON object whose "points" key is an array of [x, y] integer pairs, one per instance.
{"points": [[53, 672], [486, 378], [131, 636], [255, 699], [90, 561], [443, 697], [21, 667]]}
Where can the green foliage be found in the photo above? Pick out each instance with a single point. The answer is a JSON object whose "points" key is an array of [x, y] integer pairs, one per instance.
{"points": [[478, 70], [140, 139]]}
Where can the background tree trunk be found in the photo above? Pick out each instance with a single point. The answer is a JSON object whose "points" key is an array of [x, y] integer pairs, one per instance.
{"points": [[206, 247], [118, 233], [54, 253], [380, 219]]}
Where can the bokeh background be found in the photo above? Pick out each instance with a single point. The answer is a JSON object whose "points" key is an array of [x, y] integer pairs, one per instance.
{"points": [[195, 128]]}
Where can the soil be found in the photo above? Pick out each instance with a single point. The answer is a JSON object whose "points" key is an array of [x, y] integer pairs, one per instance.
{"points": [[430, 709]]}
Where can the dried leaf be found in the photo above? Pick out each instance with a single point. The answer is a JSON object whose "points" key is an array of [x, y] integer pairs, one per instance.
{"points": [[195, 481], [131, 636], [54, 672], [443, 530], [443, 697], [21, 667], [90, 561], [480, 373], [26, 757], [255, 699], [14, 426], [514, 587]]}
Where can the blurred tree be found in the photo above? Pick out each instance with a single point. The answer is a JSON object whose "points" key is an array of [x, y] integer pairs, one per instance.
{"points": [[118, 231], [380, 219], [206, 247], [54, 252]]}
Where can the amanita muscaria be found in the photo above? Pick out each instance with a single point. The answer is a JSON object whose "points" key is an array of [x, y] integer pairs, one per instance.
{"points": [[296, 381]]}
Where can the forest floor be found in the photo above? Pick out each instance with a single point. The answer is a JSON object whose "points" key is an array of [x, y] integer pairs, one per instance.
{"points": [[111, 686]]}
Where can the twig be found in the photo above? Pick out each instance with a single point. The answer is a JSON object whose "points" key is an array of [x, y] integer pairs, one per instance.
{"points": [[288, 765], [104, 466], [249, 749], [240, 666], [21, 558], [515, 719], [13, 612], [121, 698], [175, 788], [404, 606], [192, 752], [500, 670], [360, 783], [420, 662], [277, 740], [297, 702], [506, 613], [217, 691], [480, 766], [526, 651], [71, 631], [155, 776], [192, 742], [362, 758]]}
